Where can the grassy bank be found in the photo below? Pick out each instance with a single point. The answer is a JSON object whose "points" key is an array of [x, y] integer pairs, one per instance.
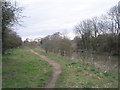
{"points": [[77, 74], [23, 69]]}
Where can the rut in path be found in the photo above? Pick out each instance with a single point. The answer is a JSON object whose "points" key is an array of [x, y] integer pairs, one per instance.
{"points": [[56, 69]]}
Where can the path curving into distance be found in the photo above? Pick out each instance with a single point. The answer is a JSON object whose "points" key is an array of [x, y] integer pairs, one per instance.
{"points": [[56, 69]]}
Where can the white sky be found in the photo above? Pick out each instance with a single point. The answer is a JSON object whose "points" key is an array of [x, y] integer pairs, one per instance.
{"points": [[45, 17]]}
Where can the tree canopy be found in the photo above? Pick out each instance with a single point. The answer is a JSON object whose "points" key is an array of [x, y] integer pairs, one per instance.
{"points": [[100, 34], [10, 16]]}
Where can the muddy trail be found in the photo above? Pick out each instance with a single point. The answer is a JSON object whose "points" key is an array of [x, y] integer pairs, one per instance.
{"points": [[56, 69]]}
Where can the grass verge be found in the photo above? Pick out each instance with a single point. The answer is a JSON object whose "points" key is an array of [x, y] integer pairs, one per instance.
{"points": [[78, 74], [23, 69]]}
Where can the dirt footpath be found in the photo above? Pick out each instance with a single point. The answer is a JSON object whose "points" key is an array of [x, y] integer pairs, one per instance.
{"points": [[56, 69]]}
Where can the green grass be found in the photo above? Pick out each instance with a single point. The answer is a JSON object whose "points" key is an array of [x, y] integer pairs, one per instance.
{"points": [[78, 74], [23, 69]]}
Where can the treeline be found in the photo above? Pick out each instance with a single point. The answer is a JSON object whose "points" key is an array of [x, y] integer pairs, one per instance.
{"points": [[96, 35], [107, 43], [10, 17], [57, 43], [100, 34]]}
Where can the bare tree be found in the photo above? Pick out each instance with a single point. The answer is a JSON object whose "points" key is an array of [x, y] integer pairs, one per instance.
{"points": [[95, 26], [114, 15]]}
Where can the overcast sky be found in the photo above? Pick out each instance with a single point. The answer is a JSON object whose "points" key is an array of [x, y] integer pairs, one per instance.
{"points": [[45, 17]]}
